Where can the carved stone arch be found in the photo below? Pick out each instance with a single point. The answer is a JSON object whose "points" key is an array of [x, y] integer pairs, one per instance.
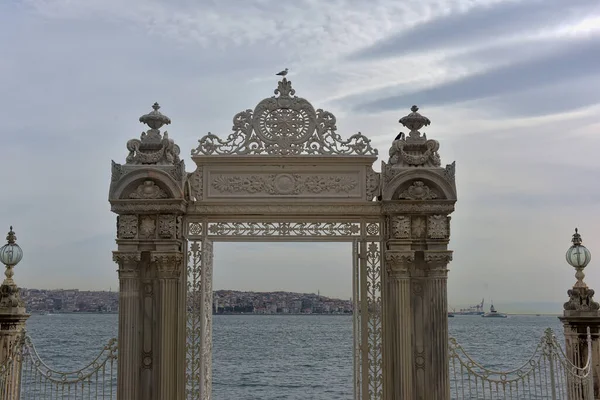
{"points": [[131, 182], [436, 183]]}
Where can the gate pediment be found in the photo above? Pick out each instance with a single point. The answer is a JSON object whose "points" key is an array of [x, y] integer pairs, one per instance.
{"points": [[284, 151]]}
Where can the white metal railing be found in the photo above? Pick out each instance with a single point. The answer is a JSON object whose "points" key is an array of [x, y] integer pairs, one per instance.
{"points": [[25, 376], [547, 374]]}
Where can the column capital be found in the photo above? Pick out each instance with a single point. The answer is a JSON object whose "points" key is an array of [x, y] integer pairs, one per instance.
{"points": [[168, 264], [127, 258], [437, 261], [398, 263], [438, 256]]}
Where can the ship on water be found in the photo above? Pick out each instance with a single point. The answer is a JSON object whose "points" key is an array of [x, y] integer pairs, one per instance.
{"points": [[476, 309]]}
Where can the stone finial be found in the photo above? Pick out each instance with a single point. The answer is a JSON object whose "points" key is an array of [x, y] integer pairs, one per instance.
{"points": [[415, 121], [153, 148], [155, 119], [414, 150]]}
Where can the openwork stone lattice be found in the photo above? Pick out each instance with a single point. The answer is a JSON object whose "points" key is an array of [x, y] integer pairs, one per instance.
{"points": [[284, 228], [284, 125], [199, 320]]}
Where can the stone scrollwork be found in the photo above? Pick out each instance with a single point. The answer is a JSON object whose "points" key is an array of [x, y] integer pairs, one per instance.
{"points": [[437, 227], [127, 226], [373, 184], [418, 191], [284, 125], [195, 180], [284, 184], [148, 190], [581, 299], [400, 227]]}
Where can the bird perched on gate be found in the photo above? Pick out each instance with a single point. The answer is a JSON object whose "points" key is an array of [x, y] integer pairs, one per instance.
{"points": [[282, 73]]}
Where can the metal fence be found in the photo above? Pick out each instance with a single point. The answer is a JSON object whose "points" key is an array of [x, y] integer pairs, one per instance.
{"points": [[26, 375], [547, 374]]}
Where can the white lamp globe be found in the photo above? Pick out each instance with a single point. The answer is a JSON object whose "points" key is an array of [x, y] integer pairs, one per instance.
{"points": [[11, 253]]}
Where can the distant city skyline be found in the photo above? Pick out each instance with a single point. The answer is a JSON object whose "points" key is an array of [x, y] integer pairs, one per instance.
{"points": [[497, 79]]}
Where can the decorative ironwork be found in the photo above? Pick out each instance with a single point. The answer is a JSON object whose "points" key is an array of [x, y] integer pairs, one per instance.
{"points": [[284, 125], [287, 229], [367, 306], [24, 372], [547, 374]]}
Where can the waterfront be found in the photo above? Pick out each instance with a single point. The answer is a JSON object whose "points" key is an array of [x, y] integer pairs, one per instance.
{"points": [[286, 356]]}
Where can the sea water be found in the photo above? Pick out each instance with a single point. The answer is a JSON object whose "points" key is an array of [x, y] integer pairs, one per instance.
{"points": [[287, 356]]}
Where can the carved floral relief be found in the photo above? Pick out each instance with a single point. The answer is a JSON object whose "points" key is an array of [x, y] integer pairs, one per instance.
{"points": [[437, 227], [147, 227], [401, 227], [284, 184], [166, 226], [127, 226], [418, 227]]}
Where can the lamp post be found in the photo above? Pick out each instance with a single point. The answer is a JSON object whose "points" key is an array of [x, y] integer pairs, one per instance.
{"points": [[12, 319], [581, 312], [10, 255]]}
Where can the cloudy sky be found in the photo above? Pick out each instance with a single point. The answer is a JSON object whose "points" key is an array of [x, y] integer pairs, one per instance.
{"points": [[512, 89]]}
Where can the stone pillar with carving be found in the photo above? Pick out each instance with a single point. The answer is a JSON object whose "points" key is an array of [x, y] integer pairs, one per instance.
{"points": [[579, 313], [169, 266], [147, 193], [417, 197], [12, 321], [128, 380]]}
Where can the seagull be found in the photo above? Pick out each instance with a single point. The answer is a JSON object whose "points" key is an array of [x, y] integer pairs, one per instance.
{"points": [[283, 73]]}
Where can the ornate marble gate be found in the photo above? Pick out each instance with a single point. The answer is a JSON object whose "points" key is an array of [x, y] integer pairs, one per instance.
{"points": [[283, 174]]}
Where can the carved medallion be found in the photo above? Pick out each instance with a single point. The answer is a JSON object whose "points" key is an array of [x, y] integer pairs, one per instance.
{"points": [[418, 191], [147, 227], [401, 227], [437, 227], [127, 226], [148, 190]]}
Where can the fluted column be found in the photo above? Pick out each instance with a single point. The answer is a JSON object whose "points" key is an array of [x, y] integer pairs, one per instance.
{"points": [[438, 383], [399, 349], [128, 373], [169, 268]]}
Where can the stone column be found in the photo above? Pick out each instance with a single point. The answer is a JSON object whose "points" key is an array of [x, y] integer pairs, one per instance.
{"points": [[169, 267], [128, 377], [437, 374], [581, 312], [399, 371]]}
